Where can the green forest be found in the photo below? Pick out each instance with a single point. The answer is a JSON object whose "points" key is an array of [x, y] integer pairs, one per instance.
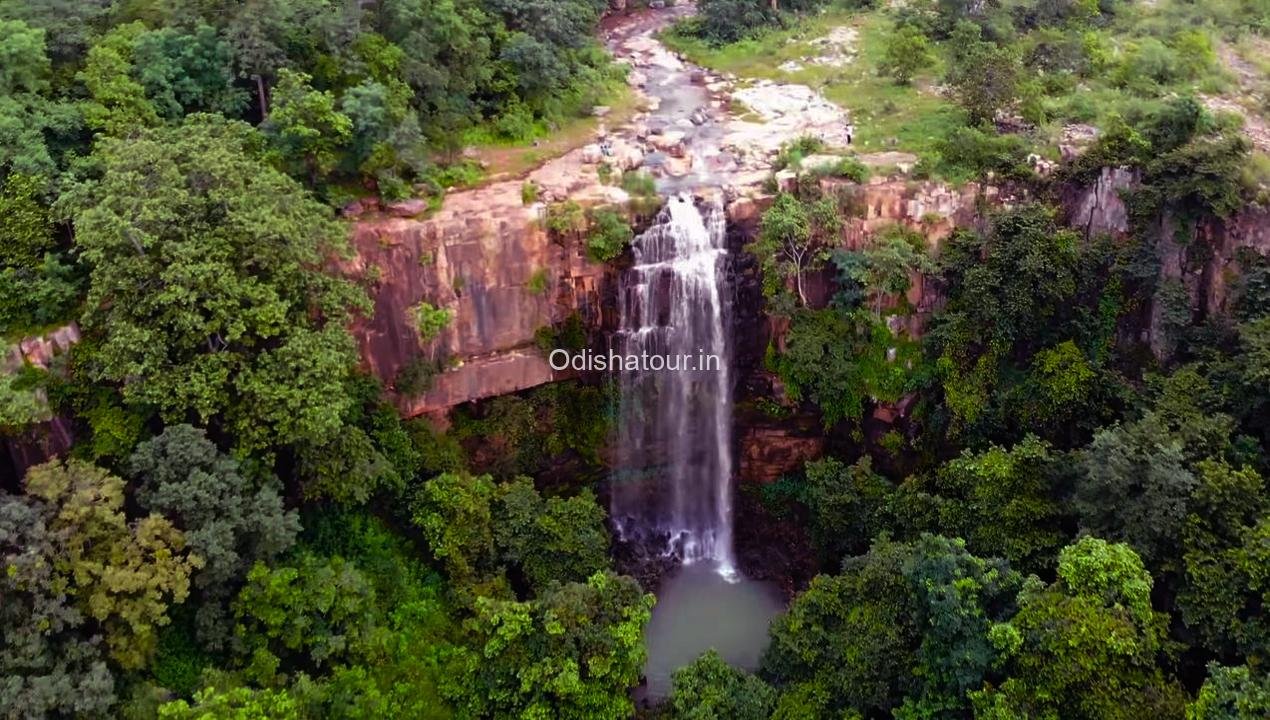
{"points": [[1072, 521]]}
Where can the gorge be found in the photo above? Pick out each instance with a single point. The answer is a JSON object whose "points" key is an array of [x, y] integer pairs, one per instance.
{"points": [[959, 407]]}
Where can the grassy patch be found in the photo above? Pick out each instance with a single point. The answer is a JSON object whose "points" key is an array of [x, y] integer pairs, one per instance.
{"points": [[504, 159], [887, 116]]}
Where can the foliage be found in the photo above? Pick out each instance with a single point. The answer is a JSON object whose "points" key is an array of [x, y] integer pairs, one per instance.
{"points": [[549, 540], [840, 361], [886, 266], [478, 530], [1004, 502], [123, 575], [846, 642], [573, 653], [1085, 646], [1223, 545], [314, 612], [608, 236], [1231, 693], [242, 702], [983, 75], [792, 241], [907, 54], [710, 689], [1135, 487], [205, 290], [37, 286], [228, 520], [429, 320], [847, 506], [1009, 292], [726, 21], [524, 435], [51, 660]]}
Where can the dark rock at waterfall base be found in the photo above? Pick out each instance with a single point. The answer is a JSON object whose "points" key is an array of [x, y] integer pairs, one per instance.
{"points": [[771, 549], [644, 558]]}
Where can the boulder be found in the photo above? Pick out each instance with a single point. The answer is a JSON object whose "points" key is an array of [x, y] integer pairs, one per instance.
{"points": [[592, 154], [786, 180], [626, 156], [670, 142], [677, 166], [601, 111], [407, 208]]}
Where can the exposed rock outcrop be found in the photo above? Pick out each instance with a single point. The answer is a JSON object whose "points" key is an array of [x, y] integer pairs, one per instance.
{"points": [[487, 259], [50, 435]]}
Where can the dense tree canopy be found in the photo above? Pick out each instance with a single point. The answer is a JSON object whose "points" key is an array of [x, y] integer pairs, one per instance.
{"points": [[1012, 466]]}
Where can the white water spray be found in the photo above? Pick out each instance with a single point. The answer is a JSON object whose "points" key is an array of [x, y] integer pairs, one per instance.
{"points": [[679, 423]]}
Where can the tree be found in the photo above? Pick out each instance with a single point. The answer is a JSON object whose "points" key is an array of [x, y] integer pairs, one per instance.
{"points": [[959, 599], [847, 642], [205, 288], [1134, 487], [843, 361], [24, 67], [551, 541], [727, 21], [28, 120], [907, 53], [1224, 542], [1086, 647], [312, 613], [1004, 502], [1011, 292], [454, 512], [983, 75], [711, 689], [1232, 693], [847, 505], [124, 576], [241, 703], [187, 72], [305, 128], [118, 104], [887, 265], [573, 653], [51, 660], [792, 239], [229, 520], [608, 236]]}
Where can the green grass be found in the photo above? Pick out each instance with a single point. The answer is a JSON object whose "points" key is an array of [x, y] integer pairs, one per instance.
{"points": [[910, 118], [914, 118]]}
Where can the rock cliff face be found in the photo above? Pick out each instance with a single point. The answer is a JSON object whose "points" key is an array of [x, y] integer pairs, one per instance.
{"points": [[1204, 261], [51, 435], [486, 259]]}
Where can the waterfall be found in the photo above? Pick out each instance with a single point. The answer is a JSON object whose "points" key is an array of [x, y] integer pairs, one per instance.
{"points": [[672, 490]]}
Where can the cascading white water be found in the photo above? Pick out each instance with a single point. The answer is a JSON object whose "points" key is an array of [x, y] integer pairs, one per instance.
{"points": [[676, 424]]}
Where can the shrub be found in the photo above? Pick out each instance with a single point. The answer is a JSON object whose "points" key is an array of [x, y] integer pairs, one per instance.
{"points": [[907, 53], [609, 235], [538, 282], [970, 151], [429, 320], [529, 192], [727, 21]]}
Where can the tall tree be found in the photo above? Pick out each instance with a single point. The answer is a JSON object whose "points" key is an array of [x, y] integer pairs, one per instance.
{"points": [[206, 290], [1087, 646], [231, 521], [123, 575]]}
